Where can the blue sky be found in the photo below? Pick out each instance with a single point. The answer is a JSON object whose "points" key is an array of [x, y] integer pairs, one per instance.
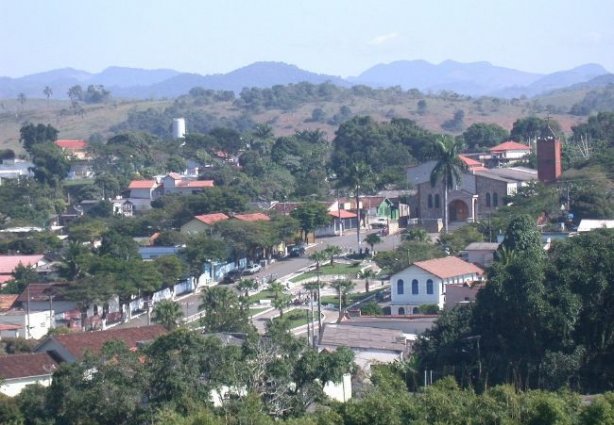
{"points": [[338, 37]]}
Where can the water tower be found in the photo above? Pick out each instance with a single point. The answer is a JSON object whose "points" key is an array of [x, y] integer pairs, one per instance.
{"points": [[178, 128]]}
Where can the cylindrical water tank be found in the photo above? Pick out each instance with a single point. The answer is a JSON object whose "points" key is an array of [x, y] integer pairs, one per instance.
{"points": [[178, 128]]}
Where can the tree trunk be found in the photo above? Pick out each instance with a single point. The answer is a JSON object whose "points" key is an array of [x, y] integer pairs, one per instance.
{"points": [[445, 206], [357, 219]]}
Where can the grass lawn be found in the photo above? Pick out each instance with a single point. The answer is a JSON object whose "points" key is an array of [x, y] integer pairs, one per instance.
{"points": [[352, 297], [262, 295], [295, 318], [254, 311], [336, 269]]}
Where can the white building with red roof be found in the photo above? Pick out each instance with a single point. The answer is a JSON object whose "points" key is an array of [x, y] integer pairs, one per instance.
{"points": [[510, 150], [202, 223], [76, 148], [20, 370], [425, 282], [176, 183]]}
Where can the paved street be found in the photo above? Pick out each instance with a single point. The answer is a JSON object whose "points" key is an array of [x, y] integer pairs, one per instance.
{"points": [[279, 269]]}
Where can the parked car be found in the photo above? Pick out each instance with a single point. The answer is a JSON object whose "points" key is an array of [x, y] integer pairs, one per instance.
{"points": [[297, 251], [232, 276], [252, 268]]}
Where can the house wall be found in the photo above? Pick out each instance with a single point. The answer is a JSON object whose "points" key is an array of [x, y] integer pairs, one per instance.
{"points": [[467, 183], [482, 257], [141, 193], [407, 298], [339, 391], [409, 301], [12, 387], [39, 323], [194, 227], [513, 154], [484, 186], [456, 294]]}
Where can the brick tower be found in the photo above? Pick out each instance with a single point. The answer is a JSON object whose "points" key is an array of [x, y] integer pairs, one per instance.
{"points": [[548, 159]]}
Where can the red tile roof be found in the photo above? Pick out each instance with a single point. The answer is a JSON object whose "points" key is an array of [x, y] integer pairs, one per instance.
{"points": [[71, 144], [8, 263], [369, 202], [78, 344], [142, 184], [9, 327], [211, 218], [286, 207], [7, 301], [26, 365], [252, 217], [448, 267], [470, 162], [342, 214], [510, 145], [194, 183]]}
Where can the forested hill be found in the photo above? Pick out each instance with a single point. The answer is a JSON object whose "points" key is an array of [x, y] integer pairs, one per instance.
{"points": [[286, 109]]}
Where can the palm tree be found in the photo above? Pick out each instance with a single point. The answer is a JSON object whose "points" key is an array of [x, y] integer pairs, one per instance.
{"points": [[281, 298], [416, 234], [447, 170], [312, 287], [167, 313], [48, 92], [319, 257], [373, 239], [342, 287], [367, 275], [332, 251], [360, 176]]}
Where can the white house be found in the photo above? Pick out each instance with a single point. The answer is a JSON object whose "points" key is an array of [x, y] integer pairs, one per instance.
{"points": [[510, 150], [424, 283], [481, 253], [19, 370]]}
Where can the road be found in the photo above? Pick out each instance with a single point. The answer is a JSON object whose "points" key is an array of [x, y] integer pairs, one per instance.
{"points": [[285, 267]]}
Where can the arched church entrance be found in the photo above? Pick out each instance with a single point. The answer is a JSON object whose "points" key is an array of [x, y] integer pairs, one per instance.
{"points": [[459, 211]]}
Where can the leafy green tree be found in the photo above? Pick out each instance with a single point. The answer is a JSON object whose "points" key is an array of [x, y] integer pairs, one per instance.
{"points": [[167, 313], [281, 299], [50, 163], [484, 135], [310, 216], [75, 93], [48, 92], [332, 251], [447, 170], [417, 234], [171, 268], [531, 128], [373, 239], [223, 311], [22, 276]]}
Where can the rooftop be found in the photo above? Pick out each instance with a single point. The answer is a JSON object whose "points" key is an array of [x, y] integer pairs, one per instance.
{"points": [[446, 267], [195, 183], [42, 291], [362, 337], [342, 214], [587, 225], [142, 184], [7, 301], [510, 145], [77, 344], [8, 263], [211, 219], [252, 217], [71, 144], [482, 246], [26, 365]]}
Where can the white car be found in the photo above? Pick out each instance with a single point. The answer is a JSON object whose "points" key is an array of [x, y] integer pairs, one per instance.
{"points": [[252, 268]]}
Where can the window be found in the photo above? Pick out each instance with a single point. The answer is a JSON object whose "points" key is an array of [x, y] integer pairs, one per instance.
{"points": [[488, 199], [400, 286], [495, 200], [414, 287], [429, 287], [437, 201], [401, 310], [430, 201]]}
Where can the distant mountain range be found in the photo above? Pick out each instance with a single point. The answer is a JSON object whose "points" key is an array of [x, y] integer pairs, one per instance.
{"points": [[474, 79]]}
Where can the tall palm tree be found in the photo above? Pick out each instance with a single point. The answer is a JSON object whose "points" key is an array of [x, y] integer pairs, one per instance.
{"points": [[312, 287], [332, 251], [48, 92], [367, 275], [281, 298], [319, 257], [359, 177], [342, 287], [447, 170], [373, 239], [167, 313]]}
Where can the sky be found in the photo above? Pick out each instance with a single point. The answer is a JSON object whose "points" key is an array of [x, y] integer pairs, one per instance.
{"points": [[336, 37]]}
